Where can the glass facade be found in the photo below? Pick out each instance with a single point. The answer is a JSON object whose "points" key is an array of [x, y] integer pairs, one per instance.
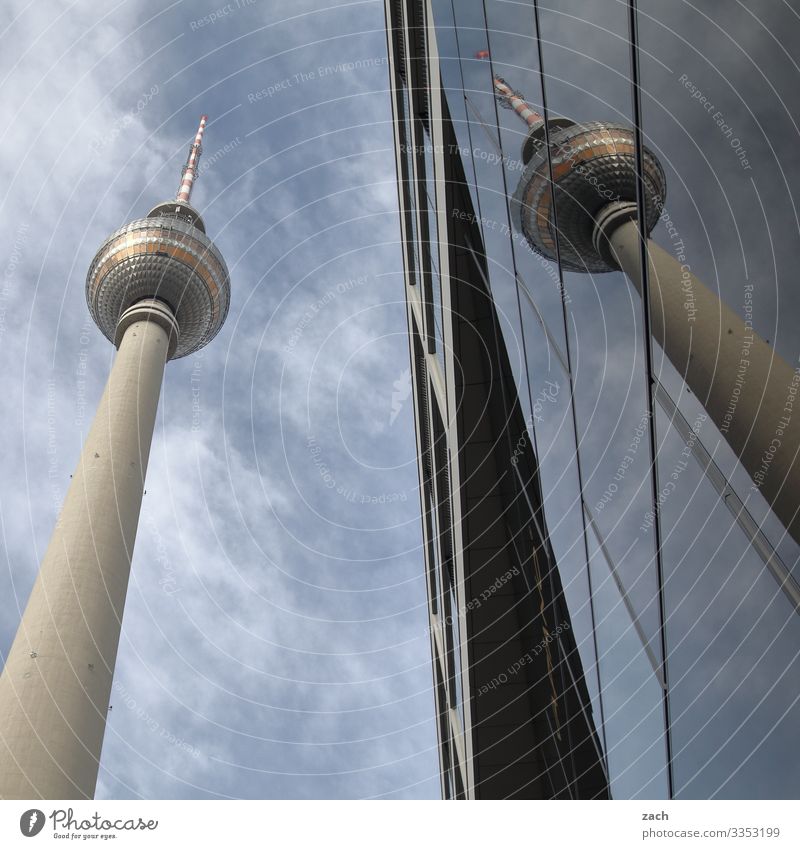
{"points": [[687, 642]]}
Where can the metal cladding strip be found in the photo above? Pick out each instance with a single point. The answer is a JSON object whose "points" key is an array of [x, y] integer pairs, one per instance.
{"points": [[190, 169], [515, 101]]}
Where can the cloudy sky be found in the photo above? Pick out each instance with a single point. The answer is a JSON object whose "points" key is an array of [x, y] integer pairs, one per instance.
{"points": [[274, 641]]}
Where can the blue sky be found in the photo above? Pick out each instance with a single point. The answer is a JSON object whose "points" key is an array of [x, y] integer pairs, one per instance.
{"points": [[274, 641]]}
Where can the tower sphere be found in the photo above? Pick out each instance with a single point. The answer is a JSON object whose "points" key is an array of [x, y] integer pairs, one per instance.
{"points": [[166, 256], [594, 165]]}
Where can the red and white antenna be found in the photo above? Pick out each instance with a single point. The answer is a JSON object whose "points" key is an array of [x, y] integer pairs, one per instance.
{"points": [[189, 173], [513, 100]]}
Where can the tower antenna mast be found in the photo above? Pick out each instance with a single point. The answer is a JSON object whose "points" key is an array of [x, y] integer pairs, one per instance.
{"points": [[189, 173], [508, 98], [511, 99]]}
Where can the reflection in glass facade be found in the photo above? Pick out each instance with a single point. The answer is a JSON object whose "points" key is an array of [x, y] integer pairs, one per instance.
{"points": [[676, 580]]}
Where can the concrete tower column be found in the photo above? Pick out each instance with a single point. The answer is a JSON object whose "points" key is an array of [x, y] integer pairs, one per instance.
{"points": [[55, 688], [580, 184], [749, 391]]}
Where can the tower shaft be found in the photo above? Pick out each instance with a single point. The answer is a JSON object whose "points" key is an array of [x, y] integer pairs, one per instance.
{"points": [[748, 390], [55, 688]]}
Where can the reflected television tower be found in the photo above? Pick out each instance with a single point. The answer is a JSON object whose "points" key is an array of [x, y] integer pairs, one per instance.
{"points": [[586, 195], [158, 289]]}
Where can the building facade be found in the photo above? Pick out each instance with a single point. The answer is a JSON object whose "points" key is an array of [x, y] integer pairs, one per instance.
{"points": [[602, 624]]}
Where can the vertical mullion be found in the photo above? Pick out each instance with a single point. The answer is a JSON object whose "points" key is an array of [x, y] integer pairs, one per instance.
{"points": [[633, 36]]}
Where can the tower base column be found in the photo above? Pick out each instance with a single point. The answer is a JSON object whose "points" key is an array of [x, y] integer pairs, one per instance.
{"points": [[751, 393], [56, 684]]}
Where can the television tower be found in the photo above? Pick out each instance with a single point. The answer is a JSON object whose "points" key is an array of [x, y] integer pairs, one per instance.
{"points": [[750, 393], [158, 289]]}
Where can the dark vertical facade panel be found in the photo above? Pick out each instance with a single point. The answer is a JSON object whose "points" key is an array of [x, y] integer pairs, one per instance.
{"points": [[532, 734]]}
